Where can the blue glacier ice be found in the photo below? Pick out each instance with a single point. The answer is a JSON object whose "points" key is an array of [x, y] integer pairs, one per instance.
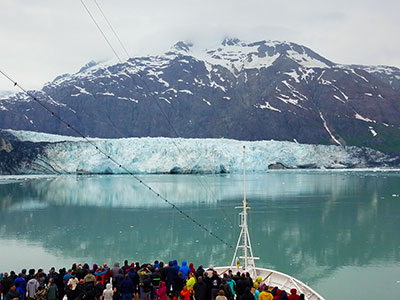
{"points": [[177, 155]]}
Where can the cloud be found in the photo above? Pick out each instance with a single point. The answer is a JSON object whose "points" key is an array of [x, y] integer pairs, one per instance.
{"points": [[44, 38]]}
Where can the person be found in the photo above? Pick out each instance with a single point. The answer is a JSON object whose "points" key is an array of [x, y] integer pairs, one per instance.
{"points": [[175, 262], [66, 277], [31, 274], [257, 292], [232, 285], [108, 293], [221, 295], [192, 269], [186, 293], [226, 288], [73, 280], [162, 291], [6, 283], [20, 283], [215, 282], [179, 283], [133, 276], [200, 289], [184, 269], [278, 294], [247, 295], [71, 293], [42, 294], [293, 295], [89, 277], [171, 276], [199, 272], [257, 282], [32, 287], [13, 293], [265, 294], [191, 281], [52, 293], [98, 290], [126, 288], [126, 267], [147, 286], [283, 296], [301, 297], [156, 278], [100, 274], [115, 270]]}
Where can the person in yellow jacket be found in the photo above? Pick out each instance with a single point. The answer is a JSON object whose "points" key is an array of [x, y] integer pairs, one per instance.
{"points": [[265, 294], [191, 281]]}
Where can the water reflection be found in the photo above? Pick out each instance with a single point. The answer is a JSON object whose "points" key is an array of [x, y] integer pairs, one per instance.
{"points": [[309, 224]]}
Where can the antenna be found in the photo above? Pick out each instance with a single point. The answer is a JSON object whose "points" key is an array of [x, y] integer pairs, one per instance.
{"points": [[244, 237]]}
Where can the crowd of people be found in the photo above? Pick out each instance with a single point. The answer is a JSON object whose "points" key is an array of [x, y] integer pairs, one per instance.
{"points": [[138, 282]]}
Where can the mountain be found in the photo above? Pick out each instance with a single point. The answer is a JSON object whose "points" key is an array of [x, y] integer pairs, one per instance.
{"points": [[247, 91]]}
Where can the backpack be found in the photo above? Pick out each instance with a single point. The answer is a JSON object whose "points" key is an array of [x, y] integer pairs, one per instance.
{"points": [[40, 295]]}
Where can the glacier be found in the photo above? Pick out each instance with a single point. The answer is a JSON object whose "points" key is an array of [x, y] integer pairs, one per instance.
{"points": [[154, 155]]}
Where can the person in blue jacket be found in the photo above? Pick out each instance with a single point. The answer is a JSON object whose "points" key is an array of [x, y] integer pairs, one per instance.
{"points": [[175, 262], [184, 269], [20, 283]]}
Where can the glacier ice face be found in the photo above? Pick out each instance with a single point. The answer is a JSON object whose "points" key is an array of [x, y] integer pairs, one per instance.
{"points": [[175, 155]]}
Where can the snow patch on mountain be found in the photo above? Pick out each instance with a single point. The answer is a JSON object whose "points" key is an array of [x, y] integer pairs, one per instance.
{"points": [[360, 117]]}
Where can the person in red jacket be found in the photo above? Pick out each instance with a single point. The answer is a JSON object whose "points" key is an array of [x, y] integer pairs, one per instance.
{"points": [[293, 294], [185, 293]]}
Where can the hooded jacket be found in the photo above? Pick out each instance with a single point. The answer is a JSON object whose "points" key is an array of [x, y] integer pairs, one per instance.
{"points": [[32, 287], [184, 269], [175, 262], [293, 295], [264, 295], [108, 292], [115, 270], [162, 291]]}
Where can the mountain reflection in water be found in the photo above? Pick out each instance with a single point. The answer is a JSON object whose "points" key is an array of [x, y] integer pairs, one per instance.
{"points": [[307, 224]]}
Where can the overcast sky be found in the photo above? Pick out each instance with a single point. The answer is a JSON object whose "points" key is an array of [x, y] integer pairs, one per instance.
{"points": [[41, 39]]}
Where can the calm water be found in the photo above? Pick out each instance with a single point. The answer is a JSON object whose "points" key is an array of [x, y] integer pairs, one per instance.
{"points": [[332, 230]]}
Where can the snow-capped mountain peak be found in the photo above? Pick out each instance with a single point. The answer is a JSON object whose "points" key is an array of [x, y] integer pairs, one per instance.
{"points": [[182, 47], [242, 90]]}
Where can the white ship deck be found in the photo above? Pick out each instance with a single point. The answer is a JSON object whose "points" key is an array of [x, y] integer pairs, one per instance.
{"points": [[275, 278]]}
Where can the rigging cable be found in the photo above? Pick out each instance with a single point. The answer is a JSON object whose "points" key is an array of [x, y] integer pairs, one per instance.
{"points": [[15, 83], [153, 97], [112, 29], [102, 33]]}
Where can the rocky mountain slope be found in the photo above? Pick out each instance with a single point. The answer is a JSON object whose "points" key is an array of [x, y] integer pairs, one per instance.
{"points": [[248, 91]]}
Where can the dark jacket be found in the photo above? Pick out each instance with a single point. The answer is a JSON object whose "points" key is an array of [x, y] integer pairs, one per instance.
{"points": [[6, 283], [171, 273], [89, 291], [126, 286], [13, 294], [200, 290]]}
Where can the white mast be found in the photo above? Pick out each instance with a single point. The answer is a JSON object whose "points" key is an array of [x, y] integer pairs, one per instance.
{"points": [[244, 237]]}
